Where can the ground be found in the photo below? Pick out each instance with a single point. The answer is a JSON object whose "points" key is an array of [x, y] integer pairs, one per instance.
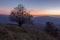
{"points": [[13, 32]]}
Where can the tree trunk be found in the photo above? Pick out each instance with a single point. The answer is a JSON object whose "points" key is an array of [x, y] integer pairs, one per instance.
{"points": [[20, 23]]}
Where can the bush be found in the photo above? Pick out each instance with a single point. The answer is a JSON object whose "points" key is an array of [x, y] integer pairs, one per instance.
{"points": [[50, 29]]}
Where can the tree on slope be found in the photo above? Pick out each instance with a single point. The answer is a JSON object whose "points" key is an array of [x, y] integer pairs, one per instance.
{"points": [[20, 15]]}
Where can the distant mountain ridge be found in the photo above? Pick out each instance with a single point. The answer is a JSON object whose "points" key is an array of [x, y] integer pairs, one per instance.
{"points": [[37, 19], [44, 19], [40, 21], [5, 19]]}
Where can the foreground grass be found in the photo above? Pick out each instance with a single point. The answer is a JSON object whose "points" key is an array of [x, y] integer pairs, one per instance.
{"points": [[11, 32]]}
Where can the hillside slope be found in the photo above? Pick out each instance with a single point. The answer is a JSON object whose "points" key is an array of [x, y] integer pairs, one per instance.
{"points": [[11, 32]]}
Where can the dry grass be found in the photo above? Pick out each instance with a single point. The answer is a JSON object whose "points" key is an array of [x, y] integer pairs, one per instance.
{"points": [[8, 32]]}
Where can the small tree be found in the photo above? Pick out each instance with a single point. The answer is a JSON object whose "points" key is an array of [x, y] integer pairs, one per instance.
{"points": [[19, 15], [50, 28]]}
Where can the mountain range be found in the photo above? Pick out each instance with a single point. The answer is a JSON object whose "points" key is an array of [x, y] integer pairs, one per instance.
{"points": [[5, 19], [38, 20], [44, 19]]}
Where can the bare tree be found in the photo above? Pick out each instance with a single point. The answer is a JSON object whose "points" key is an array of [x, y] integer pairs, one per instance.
{"points": [[50, 29], [19, 15]]}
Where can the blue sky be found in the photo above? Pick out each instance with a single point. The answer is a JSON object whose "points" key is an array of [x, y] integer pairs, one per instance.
{"points": [[30, 4]]}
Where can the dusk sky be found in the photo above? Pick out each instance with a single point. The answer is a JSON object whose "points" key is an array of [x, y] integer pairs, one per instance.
{"points": [[36, 7]]}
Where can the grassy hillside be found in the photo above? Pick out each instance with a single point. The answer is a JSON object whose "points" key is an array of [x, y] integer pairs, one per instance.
{"points": [[11, 32]]}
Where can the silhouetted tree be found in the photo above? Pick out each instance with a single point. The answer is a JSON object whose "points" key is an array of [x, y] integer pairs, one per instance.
{"points": [[20, 15], [50, 28]]}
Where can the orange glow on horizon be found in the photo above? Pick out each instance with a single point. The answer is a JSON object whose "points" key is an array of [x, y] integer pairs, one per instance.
{"points": [[4, 12], [45, 13], [37, 12]]}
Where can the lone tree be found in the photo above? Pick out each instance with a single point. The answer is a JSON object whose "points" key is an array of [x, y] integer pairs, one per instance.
{"points": [[49, 28], [20, 15]]}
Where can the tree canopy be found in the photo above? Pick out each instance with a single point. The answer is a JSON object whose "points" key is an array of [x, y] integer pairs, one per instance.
{"points": [[20, 15]]}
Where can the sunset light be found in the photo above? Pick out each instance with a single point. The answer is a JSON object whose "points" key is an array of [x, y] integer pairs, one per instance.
{"points": [[53, 11], [29, 19], [36, 8]]}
